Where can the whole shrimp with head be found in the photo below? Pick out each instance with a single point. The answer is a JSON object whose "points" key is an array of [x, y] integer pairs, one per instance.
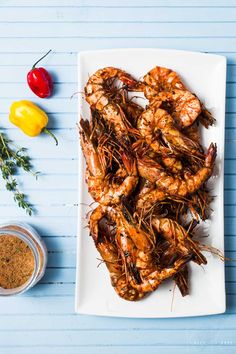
{"points": [[154, 121], [97, 94], [170, 186], [164, 88], [111, 254], [100, 184]]}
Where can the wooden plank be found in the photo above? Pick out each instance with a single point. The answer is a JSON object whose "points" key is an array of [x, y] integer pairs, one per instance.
{"points": [[76, 322], [66, 243], [230, 166], [92, 43], [34, 306], [153, 29], [230, 210], [46, 182], [121, 3], [48, 226], [61, 166], [54, 59], [49, 198], [54, 211], [62, 58], [115, 338], [125, 350], [230, 241], [230, 226], [229, 182], [118, 14], [230, 120]]}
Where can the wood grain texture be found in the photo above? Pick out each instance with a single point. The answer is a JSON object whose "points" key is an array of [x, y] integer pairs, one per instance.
{"points": [[42, 321]]}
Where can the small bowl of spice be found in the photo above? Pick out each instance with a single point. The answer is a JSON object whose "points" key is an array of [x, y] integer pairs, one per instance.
{"points": [[23, 258]]}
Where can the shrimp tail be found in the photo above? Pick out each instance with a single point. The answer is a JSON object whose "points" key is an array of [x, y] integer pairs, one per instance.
{"points": [[129, 162], [182, 280], [206, 118], [85, 128], [211, 155]]}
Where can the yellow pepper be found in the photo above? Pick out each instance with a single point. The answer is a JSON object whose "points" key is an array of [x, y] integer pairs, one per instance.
{"points": [[29, 118]]}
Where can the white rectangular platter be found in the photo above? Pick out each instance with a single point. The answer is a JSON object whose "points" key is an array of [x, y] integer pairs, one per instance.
{"points": [[205, 75]]}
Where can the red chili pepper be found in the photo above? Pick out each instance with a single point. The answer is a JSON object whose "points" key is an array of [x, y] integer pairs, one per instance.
{"points": [[39, 80]]}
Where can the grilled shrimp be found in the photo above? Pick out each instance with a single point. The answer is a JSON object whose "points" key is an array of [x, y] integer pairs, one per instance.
{"points": [[126, 242], [156, 120], [161, 79], [120, 258], [168, 185], [123, 288], [124, 224], [111, 256], [99, 185], [182, 280], [164, 88], [154, 277], [97, 95]]}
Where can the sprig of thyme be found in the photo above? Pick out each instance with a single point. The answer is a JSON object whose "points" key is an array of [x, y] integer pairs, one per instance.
{"points": [[10, 161]]}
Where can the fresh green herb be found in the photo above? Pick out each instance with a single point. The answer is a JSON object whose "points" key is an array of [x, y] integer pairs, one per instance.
{"points": [[10, 161]]}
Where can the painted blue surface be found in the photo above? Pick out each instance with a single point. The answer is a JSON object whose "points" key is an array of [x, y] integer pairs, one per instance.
{"points": [[43, 320]]}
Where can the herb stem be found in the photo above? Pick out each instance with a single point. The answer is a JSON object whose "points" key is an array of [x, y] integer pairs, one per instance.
{"points": [[10, 161]]}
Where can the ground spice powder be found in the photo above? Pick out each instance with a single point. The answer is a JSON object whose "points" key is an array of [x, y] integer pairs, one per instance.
{"points": [[16, 262]]}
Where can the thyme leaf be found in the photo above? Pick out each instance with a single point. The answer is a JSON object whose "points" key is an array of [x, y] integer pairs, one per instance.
{"points": [[11, 160]]}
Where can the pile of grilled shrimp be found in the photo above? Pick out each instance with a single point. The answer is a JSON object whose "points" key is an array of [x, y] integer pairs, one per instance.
{"points": [[147, 171]]}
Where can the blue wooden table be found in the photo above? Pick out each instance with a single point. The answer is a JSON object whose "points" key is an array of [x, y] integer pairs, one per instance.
{"points": [[42, 321]]}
